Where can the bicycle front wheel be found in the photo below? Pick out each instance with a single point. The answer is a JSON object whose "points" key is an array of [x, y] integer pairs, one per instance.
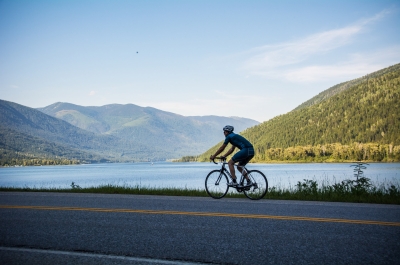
{"points": [[217, 184], [259, 185]]}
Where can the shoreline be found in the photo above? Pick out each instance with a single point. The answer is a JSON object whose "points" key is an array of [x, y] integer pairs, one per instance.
{"points": [[253, 163]]}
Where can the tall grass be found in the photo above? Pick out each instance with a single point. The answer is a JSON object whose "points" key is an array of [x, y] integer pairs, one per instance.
{"points": [[345, 191]]}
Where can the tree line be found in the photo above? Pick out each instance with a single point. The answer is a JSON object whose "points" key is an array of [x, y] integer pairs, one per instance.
{"points": [[37, 162], [336, 152]]}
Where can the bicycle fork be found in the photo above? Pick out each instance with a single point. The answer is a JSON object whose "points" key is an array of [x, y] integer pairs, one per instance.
{"points": [[219, 178]]}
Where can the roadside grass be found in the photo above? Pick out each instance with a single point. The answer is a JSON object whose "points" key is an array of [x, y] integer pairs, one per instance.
{"points": [[115, 189], [346, 191], [308, 190]]}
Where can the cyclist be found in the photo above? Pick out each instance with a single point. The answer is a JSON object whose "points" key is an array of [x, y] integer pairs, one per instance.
{"points": [[245, 154]]}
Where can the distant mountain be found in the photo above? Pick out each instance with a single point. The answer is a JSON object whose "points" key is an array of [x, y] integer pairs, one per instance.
{"points": [[356, 120], [109, 133], [32, 133], [169, 135]]}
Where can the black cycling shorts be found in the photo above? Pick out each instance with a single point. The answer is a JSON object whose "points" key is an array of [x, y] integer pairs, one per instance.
{"points": [[243, 156]]}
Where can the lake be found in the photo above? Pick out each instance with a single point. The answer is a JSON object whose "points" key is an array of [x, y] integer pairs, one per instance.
{"points": [[181, 175]]}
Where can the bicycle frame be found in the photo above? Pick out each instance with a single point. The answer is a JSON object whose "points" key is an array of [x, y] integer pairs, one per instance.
{"points": [[217, 182], [242, 177]]}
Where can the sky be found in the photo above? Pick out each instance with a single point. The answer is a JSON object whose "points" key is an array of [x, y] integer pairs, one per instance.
{"points": [[251, 59]]}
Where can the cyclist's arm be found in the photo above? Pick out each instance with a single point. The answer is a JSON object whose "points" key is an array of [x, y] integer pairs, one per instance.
{"points": [[230, 151], [222, 148]]}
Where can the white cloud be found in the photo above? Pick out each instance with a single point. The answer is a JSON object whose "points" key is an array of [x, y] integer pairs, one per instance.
{"points": [[286, 60], [294, 52], [358, 65], [92, 93]]}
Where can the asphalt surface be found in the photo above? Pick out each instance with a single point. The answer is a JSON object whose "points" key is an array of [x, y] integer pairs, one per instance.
{"points": [[58, 228]]}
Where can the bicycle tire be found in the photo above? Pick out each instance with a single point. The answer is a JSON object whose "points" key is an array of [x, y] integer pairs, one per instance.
{"points": [[260, 185], [216, 184]]}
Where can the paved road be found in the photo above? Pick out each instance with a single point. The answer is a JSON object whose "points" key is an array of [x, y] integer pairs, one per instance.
{"points": [[57, 228]]}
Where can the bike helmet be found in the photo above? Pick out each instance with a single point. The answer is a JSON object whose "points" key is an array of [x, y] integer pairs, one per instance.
{"points": [[228, 128]]}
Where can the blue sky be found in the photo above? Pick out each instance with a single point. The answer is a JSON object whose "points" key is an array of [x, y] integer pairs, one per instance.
{"points": [[253, 59]]}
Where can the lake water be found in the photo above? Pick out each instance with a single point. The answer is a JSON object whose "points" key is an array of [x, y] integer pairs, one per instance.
{"points": [[181, 175]]}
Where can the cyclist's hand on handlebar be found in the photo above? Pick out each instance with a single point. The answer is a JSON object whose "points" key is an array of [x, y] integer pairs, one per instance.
{"points": [[222, 158]]}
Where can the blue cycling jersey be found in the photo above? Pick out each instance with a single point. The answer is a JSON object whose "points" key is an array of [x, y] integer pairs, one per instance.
{"points": [[237, 141]]}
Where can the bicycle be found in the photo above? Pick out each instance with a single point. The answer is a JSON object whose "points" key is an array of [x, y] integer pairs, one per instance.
{"points": [[217, 182]]}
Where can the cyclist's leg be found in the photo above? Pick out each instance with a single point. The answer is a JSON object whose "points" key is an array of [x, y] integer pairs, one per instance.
{"points": [[240, 167], [249, 152], [243, 157], [231, 165], [236, 158]]}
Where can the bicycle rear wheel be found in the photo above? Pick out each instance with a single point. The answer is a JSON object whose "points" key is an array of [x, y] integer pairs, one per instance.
{"points": [[259, 185], [217, 184]]}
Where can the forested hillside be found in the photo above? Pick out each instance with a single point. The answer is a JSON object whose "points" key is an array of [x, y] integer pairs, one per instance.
{"points": [[359, 123], [345, 85]]}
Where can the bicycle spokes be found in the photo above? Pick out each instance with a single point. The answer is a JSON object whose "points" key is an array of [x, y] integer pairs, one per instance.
{"points": [[259, 185], [217, 184]]}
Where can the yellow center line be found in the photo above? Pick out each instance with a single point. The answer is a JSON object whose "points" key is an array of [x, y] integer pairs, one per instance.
{"points": [[234, 215]]}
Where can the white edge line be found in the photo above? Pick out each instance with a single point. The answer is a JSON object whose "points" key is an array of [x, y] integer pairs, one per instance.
{"points": [[93, 255]]}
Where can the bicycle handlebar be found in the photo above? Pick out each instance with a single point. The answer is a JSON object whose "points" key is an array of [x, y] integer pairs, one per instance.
{"points": [[222, 158]]}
